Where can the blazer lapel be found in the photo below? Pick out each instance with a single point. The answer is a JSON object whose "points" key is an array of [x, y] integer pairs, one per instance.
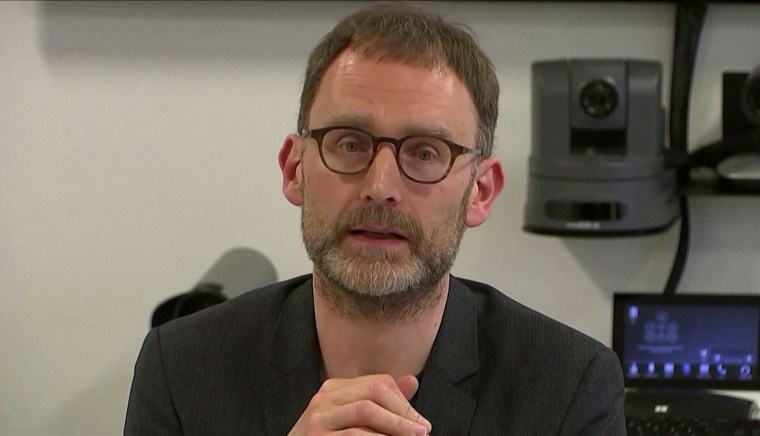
{"points": [[443, 397], [294, 362]]}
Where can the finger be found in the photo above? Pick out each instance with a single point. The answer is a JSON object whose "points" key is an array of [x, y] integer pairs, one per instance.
{"points": [[391, 400], [358, 432], [384, 391], [369, 415], [381, 389], [408, 386]]}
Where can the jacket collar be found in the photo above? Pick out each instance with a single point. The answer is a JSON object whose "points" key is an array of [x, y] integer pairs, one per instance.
{"points": [[294, 360], [442, 398]]}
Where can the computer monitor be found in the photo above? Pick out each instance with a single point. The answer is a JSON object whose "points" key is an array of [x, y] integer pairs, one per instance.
{"points": [[689, 341]]}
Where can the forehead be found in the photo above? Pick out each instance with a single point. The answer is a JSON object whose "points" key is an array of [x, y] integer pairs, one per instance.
{"points": [[393, 98]]}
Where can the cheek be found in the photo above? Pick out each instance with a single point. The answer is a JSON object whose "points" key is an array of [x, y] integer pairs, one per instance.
{"points": [[439, 214], [449, 198], [323, 191]]}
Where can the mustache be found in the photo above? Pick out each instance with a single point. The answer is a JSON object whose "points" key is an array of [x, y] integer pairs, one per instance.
{"points": [[380, 215]]}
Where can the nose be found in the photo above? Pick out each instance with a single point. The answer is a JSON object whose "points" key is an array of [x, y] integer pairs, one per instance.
{"points": [[382, 181]]}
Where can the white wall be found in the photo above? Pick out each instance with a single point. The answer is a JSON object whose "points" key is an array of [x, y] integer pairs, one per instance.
{"points": [[138, 143]]}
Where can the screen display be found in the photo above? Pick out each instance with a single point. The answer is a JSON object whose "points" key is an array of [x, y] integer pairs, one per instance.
{"points": [[699, 341]]}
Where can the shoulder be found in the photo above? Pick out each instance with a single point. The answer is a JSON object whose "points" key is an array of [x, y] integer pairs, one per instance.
{"points": [[506, 319], [218, 353], [208, 351], [515, 339], [230, 324], [528, 358]]}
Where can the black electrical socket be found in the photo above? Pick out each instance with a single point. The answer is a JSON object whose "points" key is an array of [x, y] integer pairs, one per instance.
{"points": [[735, 121], [736, 158]]}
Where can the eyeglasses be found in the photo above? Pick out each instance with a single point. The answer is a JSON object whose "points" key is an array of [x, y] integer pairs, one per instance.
{"points": [[424, 159]]}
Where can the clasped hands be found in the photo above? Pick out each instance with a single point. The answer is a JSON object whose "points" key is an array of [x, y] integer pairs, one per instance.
{"points": [[368, 405]]}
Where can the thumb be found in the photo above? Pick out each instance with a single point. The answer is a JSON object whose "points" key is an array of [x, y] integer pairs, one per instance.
{"points": [[408, 385]]}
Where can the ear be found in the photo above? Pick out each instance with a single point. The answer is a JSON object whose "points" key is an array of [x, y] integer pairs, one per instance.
{"points": [[289, 159], [488, 184]]}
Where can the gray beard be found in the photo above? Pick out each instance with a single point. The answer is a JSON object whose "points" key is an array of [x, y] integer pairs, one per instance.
{"points": [[374, 284], [396, 307]]}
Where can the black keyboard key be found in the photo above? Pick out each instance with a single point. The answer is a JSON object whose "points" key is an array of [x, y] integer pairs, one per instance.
{"points": [[656, 426]]}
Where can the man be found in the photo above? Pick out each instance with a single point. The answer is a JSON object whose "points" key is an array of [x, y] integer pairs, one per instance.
{"points": [[392, 161]]}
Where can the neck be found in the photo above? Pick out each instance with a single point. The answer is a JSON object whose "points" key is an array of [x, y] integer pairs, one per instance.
{"points": [[353, 346]]}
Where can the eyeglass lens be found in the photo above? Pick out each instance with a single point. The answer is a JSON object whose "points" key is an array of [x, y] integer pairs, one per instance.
{"points": [[422, 158]]}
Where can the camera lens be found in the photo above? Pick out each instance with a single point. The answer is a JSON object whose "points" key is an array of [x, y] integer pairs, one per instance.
{"points": [[599, 99]]}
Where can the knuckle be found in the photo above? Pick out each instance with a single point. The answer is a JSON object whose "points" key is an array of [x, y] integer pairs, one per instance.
{"points": [[364, 409], [379, 386], [316, 420], [317, 399], [328, 385], [386, 379], [404, 424], [411, 413]]}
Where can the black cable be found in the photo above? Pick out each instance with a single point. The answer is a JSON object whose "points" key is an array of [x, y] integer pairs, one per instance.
{"points": [[690, 17], [679, 262]]}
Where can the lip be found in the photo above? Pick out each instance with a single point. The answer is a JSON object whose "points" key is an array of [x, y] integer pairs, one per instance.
{"points": [[380, 229]]}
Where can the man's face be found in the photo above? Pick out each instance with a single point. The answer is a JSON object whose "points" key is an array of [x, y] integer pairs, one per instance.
{"points": [[378, 233]]}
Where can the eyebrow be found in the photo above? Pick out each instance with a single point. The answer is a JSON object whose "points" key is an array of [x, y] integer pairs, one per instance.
{"points": [[365, 123]]}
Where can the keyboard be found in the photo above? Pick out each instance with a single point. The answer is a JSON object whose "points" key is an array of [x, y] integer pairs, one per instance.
{"points": [[662, 426]]}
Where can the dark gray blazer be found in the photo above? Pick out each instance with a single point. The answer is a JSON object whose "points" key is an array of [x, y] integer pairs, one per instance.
{"points": [[250, 366]]}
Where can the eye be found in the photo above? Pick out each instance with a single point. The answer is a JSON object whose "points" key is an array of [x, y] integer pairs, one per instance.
{"points": [[350, 146], [421, 152], [425, 154]]}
